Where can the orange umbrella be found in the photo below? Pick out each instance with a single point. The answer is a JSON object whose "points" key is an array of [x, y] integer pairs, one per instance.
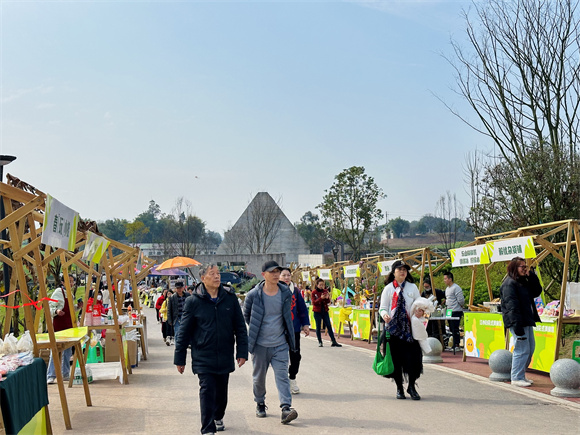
{"points": [[178, 262]]}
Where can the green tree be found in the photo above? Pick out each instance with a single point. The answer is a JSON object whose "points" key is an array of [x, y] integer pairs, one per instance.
{"points": [[135, 232], [114, 228], [399, 226], [183, 230], [150, 218], [311, 230], [210, 241], [349, 207]]}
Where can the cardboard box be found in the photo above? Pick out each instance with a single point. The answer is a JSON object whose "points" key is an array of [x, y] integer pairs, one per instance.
{"points": [[132, 350], [111, 347]]}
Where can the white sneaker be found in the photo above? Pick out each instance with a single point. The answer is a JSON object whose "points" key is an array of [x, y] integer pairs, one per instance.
{"points": [[51, 381], [529, 380], [294, 387], [522, 383]]}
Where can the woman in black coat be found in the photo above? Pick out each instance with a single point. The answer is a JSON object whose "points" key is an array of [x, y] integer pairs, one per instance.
{"points": [[520, 315]]}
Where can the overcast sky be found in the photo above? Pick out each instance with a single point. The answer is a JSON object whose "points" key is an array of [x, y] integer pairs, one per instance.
{"points": [[109, 104]]}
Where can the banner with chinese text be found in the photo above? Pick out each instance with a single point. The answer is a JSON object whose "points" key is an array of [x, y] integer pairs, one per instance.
{"points": [[352, 271], [385, 267], [95, 247], [469, 256], [59, 228], [506, 250]]}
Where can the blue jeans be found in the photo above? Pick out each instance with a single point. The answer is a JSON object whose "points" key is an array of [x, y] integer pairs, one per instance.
{"points": [[176, 325], [523, 351], [278, 358], [64, 363]]}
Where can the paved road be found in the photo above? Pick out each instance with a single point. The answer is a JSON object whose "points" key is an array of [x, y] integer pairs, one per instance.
{"points": [[340, 395]]}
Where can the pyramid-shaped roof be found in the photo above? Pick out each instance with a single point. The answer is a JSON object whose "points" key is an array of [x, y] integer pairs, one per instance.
{"points": [[264, 228]]}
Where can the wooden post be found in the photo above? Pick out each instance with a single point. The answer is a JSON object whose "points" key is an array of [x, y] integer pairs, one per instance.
{"points": [[563, 289]]}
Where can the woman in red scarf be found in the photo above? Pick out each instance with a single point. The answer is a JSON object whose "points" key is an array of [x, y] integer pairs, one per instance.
{"points": [[396, 300]]}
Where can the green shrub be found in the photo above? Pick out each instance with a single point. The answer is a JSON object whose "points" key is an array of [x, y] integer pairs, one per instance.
{"points": [[248, 285]]}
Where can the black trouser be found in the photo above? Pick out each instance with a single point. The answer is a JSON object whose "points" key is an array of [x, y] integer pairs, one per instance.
{"points": [[454, 327], [323, 317], [295, 358], [158, 316], [213, 399], [166, 330]]}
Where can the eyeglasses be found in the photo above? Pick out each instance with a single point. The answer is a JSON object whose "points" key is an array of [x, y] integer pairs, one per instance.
{"points": [[523, 267]]}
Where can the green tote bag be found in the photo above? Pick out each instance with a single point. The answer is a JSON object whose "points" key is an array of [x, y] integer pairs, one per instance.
{"points": [[383, 364]]}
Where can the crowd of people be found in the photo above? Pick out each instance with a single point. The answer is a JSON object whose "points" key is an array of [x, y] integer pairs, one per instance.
{"points": [[269, 323]]}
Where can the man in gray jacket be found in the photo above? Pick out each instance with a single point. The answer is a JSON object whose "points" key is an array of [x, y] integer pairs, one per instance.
{"points": [[454, 299], [267, 311]]}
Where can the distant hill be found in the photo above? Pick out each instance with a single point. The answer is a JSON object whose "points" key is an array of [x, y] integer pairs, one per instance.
{"points": [[428, 240]]}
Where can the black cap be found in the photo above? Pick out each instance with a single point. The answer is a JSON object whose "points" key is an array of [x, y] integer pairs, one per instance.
{"points": [[179, 284], [400, 263], [269, 266]]}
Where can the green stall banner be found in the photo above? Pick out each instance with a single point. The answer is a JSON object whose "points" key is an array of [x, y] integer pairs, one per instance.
{"points": [[484, 334]]}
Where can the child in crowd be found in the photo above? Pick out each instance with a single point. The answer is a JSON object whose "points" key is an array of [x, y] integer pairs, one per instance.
{"points": [[420, 307]]}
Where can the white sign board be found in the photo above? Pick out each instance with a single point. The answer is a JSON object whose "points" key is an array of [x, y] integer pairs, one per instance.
{"points": [[351, 271], [306, 276], [469, 256], [385, 267], [506, 250], [324, 274], [59, 228]]}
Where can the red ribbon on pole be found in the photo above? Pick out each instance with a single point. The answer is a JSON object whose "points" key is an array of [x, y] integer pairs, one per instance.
{"points": [[36, 304]]}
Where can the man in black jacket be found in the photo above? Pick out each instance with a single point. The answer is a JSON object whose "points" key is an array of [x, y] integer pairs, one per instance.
{"points": [[212, 321], [175, 305], [519, 313]]}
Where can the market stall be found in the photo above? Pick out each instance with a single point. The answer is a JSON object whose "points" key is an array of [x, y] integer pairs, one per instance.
{"points": [[41, 230], [484, 331], [24, 400]]}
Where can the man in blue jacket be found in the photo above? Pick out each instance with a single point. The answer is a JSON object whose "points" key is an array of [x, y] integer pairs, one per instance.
{"points": [[211, 320], [267, 310], [301, 324]]}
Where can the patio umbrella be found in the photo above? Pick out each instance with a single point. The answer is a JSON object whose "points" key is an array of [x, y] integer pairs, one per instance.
{"points": [[178, 262], [167, 272]]}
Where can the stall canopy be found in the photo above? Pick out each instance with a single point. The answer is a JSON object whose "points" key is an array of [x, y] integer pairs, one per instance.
{"points": [[166, 272]]}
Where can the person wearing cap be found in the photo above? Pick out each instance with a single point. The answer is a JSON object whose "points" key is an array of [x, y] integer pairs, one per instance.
{"points": [[301, 324], [212, 323], [267, 310], [396, 301], [175, 306]]}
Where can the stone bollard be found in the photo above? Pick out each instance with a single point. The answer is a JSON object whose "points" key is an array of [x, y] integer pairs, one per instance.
{"points": [[565, 375], [500, 363], [434, 356]]}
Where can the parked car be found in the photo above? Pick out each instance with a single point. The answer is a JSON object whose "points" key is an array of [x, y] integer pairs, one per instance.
{"points": [[231, 277]]}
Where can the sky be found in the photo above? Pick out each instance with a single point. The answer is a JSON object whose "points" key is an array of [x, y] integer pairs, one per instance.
{"points": [[110, 104]]}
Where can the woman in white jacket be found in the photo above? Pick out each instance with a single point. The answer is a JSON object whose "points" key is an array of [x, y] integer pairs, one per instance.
{"points": [[396, 301]]}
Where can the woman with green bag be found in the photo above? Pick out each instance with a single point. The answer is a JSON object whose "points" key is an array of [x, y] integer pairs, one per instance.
{"points": [[396, 301]]}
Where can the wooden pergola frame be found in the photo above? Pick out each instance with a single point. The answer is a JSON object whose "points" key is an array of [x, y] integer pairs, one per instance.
{"points": [[23, 220], [541, 235]]}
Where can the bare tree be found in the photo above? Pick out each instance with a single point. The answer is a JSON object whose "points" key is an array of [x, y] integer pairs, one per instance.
{"points": [[521, 76], [235, 240], [450, 214], [262, 221], [185, 230]]}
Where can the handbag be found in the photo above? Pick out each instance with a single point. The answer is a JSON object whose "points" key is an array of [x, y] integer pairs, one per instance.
{"points": [[383, 363]]}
